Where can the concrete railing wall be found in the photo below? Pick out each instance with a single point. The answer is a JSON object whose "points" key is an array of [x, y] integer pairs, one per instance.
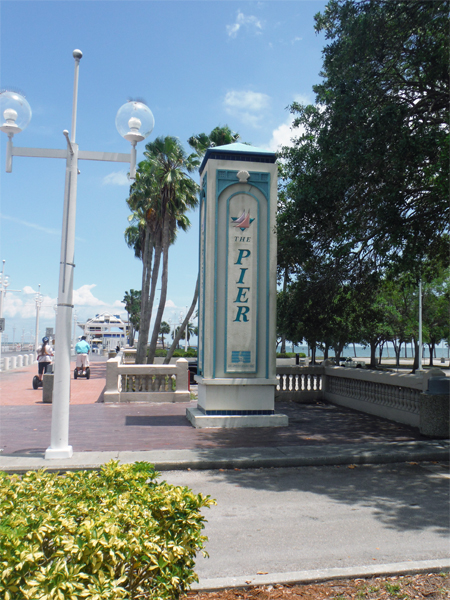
{"points": [[394, 396], [146, 383]]}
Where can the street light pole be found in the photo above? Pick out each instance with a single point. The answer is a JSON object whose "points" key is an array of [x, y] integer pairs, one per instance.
{"points": [[134, 121]]}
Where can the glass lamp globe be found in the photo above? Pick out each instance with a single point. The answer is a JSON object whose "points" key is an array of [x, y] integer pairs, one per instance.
{"points": [[134, 121], [15, 112]]}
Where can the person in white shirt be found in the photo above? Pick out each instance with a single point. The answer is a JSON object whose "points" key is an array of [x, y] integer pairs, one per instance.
{"points": [[44, 357]]}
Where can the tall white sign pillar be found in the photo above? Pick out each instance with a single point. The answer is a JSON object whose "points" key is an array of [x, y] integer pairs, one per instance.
{"points": [[237, 296]]}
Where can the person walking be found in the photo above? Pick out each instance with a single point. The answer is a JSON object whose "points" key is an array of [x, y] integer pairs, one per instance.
{"points": [[44, 357], [82, 350]]}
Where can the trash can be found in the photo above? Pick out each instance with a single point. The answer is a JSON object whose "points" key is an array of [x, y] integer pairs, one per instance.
{"points": [[192, 366]]}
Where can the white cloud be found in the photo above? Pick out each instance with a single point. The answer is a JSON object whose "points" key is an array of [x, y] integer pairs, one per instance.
{"points": [[170, 304], [116, 178], [296, 39], [281, 136], [249, 22], [84, 297], [246, 105], [246, 100]]}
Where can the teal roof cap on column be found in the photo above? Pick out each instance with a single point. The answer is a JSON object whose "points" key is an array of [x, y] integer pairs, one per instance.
{"points": [[238, 151]]}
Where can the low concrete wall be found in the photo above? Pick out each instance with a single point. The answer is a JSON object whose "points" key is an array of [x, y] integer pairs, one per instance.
{"points": [[299, 384], [394, 396], [146, 383]]}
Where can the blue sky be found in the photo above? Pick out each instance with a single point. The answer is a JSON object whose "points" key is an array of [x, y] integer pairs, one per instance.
{"points": [[197, 64]]}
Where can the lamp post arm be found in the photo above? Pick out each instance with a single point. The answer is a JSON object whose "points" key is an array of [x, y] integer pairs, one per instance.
{"points": [[39, 153], [106, 156]]}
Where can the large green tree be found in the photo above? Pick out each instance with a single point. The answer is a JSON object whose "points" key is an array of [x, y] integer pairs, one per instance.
{"points": [[159, 199], [368, 174]]}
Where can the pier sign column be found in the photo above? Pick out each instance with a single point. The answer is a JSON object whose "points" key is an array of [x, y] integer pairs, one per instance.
{"points": [[237, 295]]}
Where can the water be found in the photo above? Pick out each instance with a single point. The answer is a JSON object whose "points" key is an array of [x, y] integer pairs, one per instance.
{"points": [[361, 352]]}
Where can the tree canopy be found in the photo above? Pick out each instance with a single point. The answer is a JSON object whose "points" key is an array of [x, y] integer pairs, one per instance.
{"points": [[159, 199], [219, 136], [367, 176]]}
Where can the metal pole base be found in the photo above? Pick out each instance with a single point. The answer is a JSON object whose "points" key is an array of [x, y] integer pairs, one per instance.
{"points": [[51, 453]]}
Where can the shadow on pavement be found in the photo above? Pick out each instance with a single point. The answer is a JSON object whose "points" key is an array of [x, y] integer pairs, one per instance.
{"points": [[403, 497]]}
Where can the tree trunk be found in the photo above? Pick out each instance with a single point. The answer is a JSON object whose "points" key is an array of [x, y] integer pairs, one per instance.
{"points": [[416, 356], [431, 347], [147, 260], [381, 353], [183, 326], [397, 350], [325, 353], [337, 352], [373, 354], [283, 336], [163, 296]]}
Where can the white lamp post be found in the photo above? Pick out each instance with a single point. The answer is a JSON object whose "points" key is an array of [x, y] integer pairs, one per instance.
{"points": [[38, 300], [135, 122]]}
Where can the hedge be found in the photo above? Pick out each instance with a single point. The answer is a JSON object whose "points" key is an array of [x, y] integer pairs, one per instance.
{"points": [[111, 534]]}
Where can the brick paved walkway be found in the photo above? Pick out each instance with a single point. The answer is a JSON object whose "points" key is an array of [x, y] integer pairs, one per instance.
{"points": [[25, 422], [16, 387]]}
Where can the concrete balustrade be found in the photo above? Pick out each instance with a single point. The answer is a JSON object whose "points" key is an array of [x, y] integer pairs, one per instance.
{"points": [[17, 362], [146, 383], [394, 396]]}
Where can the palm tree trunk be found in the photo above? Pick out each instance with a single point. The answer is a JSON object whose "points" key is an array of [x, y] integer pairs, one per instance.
{"points": [[147, 259], [164, 282], [146, 306], [183, 326]]}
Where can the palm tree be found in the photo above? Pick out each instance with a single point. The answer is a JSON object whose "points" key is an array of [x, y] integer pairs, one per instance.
{"points": [[219, 136], [164, 330], [132, 301], [159, 198]]}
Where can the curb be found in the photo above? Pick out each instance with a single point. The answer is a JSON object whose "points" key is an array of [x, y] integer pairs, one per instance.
{"points": [[242, 458], [292, 577]]}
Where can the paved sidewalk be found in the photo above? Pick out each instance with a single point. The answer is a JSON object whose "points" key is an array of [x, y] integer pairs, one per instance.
{"points": [[318, 433]]}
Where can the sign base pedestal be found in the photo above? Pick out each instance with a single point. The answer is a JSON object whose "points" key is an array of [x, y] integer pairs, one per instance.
{"points": [[231, 403]]}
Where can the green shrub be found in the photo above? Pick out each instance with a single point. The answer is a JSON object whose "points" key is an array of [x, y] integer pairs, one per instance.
{"points": [[178, 354], [161, 352], [190, 353], [107, 535]]}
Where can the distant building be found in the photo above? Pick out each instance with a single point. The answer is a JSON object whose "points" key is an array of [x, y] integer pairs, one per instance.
{"points": [[108, 330]]}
